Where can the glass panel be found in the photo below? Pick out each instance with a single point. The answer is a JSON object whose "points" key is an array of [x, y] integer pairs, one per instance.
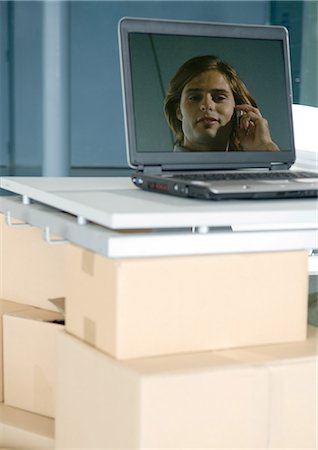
{"points": [[301, 20]]}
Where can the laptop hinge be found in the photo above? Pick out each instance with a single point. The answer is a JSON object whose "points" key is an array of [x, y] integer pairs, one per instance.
{"points": [[150, 169], [279, 166]]}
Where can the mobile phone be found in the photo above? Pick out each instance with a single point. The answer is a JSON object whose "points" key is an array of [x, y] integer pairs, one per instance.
{"points": [[238, 115]]}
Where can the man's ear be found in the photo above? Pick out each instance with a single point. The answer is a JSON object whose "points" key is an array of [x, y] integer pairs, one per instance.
{"points": [[178, 114]]}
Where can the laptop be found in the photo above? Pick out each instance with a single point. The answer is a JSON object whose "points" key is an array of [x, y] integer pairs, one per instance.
{"points": [[208, 110]]}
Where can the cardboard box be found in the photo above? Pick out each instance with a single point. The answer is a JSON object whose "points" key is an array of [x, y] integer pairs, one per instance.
{"points": [[230, 399], [29, 351], [293, 374], [131, 308], [25, 430], [6, 307], [184, 401], [32, 271], [294, 407]]}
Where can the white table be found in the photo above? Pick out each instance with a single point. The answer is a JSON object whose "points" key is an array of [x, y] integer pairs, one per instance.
{"points": [[114, 218]]}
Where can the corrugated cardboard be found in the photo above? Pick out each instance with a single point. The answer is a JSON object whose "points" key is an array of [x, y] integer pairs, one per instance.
{"points": [[32, 271], [29, 350], [152, 306], [6, 307], [211, 400]]}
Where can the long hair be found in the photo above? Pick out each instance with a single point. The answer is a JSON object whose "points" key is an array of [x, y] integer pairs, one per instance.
{"points": [[186, 73]]}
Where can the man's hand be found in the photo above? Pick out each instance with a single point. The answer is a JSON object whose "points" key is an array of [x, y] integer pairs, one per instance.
{"points": [[253, 131]]}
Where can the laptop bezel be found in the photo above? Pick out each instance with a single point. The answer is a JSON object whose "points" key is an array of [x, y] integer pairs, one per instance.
{"points": [[198, 160]]}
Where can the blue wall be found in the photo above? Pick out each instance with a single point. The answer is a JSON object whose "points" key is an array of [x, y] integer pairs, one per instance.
{"points": [[97, 128]]}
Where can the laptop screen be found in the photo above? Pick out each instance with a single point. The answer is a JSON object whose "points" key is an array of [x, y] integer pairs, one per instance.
{"points": [[204, 95]]}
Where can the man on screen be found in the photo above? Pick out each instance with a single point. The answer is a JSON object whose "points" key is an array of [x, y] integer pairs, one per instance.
{"points": [[209, 108]]}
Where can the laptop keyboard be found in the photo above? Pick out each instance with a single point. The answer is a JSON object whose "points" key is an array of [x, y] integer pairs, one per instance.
{"points": [[270, 175]]}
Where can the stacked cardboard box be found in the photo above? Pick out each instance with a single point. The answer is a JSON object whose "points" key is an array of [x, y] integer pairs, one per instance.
{"points": [[142, 307], [32, 271], [149, 355], [137, 362], [252, 398], [31, 274], [28, 372], [29, 348], [5, 307]]}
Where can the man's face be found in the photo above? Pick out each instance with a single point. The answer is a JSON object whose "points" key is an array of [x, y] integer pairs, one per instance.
{"points": [[206, 109]]}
